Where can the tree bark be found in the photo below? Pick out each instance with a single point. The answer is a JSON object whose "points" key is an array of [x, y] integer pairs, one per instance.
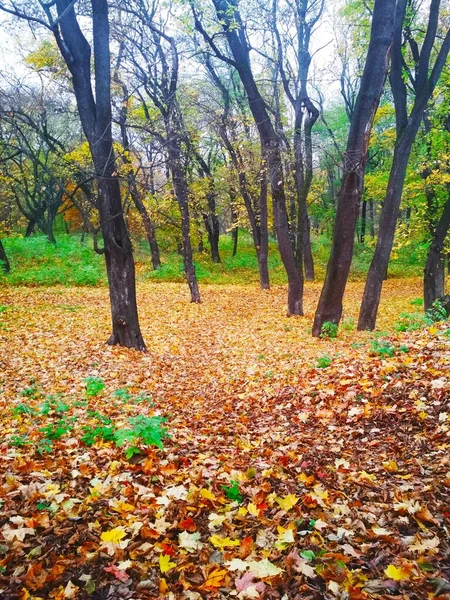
{"points": [[4, 262], [30, 227], [374, 75], [434, 272], [182, 195], [95, 115], [237, 42], [407, 128]]}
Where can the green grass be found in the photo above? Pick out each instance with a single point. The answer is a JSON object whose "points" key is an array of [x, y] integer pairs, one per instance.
{"points": [[36, 262]]}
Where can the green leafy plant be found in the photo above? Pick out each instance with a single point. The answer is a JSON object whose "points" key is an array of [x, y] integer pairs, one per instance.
{"points": [[329, 330], [232, 491], [323, 362], [144, 430], [383, 347], [417, 302], [93, 386], [17, 441], [92, 434], [410, 322], [436, 313], [23, 409]]}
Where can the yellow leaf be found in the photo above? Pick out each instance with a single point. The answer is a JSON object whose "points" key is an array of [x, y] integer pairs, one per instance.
{"points": [[287, 502], [390, 466], [114, 535], [165, 564], [222, 543], [253, 509], [396, 573], [207, 494]]}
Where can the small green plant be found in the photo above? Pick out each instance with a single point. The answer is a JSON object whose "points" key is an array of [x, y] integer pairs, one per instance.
{"points": [[93, 386], [323, 362], [3, 308], [55, 431], [348, 324], [53, 404], [447, 333], [232, 491], [329, 330], [45, 446], [32, 392], [144, 430], [92, 434], [436, 313], [417, 302], [410, 322], [383, 347], [404, 349], [122, 394], [17, 441], [23, 409]]}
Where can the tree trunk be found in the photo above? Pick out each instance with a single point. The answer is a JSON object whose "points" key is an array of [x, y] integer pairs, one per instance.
{"points": [[263, 252], [330, 303], [407, 126], [149, 229], [363, 221], [4, 262], [30, 227], [182, 195], [270, 147], [96, 118], [307, 251], [434, 272], [234, 237]]}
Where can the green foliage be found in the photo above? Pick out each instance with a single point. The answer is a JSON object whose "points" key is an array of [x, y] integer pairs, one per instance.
{"points": [[383, 347], [144, 430], [93, 386], [329, 330], [17, 441], [410, 322], [323, 362], [232, 491], [417, 302], [436, 313], [348, 324], [23, 409], [100, 432]]}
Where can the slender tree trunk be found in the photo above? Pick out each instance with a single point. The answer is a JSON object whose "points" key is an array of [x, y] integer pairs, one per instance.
{"points": [[363, 221], [235, 237], [434, 272], [263, 253], [182, 196], [407, 126], [330, 303], [4, 262], [270, 148], [388, 221], [30, 227], [372, 219], [149, 228]]}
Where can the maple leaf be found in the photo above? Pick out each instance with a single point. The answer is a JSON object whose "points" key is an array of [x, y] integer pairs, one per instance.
{"points": [[10, 534], [215, 579], [287, 502], [222, 543], [264, 568], [118, 573], [397, 573], [190, 541], [247, 588], [113, 535], [165, 564]]}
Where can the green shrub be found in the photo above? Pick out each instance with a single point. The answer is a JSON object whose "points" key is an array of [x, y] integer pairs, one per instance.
{"points": [[329, 330], [383, 347], [323, 362], [436, 313], [93, 386]]}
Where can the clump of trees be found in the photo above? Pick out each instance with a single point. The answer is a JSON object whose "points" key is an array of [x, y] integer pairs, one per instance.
{"points": [[186, 120]]}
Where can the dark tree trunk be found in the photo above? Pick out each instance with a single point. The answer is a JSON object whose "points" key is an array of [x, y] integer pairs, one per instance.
{"points": [[263, 252], [30, 227], [363, 221], [4, 262], [135, 195], [307, 251], [235, 237], [96, 117], [407, 128], [182, 195], [434, 272], [330, 303], [270, 147]]}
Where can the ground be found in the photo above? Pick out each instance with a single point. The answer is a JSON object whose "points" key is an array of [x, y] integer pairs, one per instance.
{"points": [[293, 467]]}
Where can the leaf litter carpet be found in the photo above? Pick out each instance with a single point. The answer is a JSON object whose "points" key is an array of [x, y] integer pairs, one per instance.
{"points": [[295, 467]]}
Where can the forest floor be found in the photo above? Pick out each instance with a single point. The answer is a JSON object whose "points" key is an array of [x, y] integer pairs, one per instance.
{"points": [[293, 467]]}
